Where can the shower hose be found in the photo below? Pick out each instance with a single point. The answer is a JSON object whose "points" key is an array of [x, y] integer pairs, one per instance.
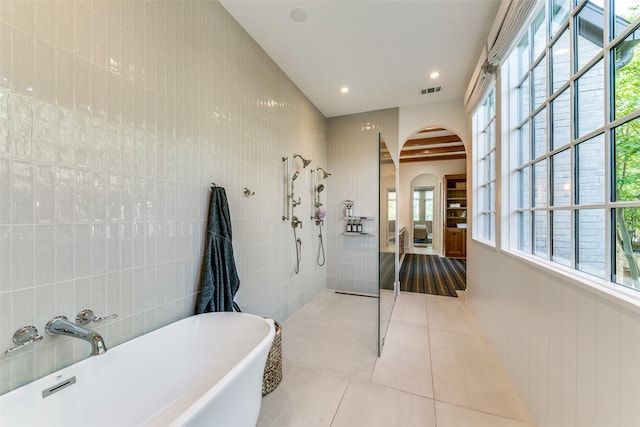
{"points": [[321, 253], [298, 249]]}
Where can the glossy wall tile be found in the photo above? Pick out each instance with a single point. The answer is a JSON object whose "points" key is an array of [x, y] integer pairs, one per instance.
{"points": [[353, 157], [114, 118]]}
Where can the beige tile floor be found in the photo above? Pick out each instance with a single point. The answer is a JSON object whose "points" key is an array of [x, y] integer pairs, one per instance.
{"points": [[436, 369]]}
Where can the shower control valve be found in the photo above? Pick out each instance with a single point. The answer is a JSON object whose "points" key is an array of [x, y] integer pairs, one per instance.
{"points": [[23, 337], [296, 202], [295, 222], [87, 316]]}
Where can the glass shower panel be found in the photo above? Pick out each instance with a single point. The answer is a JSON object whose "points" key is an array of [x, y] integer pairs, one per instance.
{"points": [[388, 249]]}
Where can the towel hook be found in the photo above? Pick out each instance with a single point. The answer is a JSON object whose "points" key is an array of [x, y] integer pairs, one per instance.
{"points": [[247, 192]]}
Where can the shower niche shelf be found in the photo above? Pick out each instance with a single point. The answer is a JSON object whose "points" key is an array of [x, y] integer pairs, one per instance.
{"points": [[357, 221]]}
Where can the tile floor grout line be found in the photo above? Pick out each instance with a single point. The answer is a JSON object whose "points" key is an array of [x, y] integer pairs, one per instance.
{"points": [[333, 419], [483, 412], [433, 382], [461, 333]]}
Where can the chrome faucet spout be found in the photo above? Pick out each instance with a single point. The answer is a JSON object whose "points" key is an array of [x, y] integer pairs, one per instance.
{"points": [[60, 325]]}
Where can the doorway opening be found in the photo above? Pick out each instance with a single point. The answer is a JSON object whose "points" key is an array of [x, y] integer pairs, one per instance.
{"points": [[423, 198]]}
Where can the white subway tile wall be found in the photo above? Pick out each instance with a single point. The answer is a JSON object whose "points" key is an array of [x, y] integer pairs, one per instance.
{"points": [[353, 157], [115, 116]]}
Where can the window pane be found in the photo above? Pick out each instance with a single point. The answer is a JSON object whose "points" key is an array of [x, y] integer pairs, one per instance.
{"points": [[590, 170], [627, 247], [492, 197], [523, 56], [540, 134], [539, 34], [391, 205], [559, 14], [491, 227], [589, 24], [561, 250], [428, 205], [627, 161], [483, 224], [626, 83], [524, 147], [540, 233], [524, 199], [562, 178], [590, 100], [492, 166], [481, 142], [560, 118], [540, 183], [481, 199], [625, 12], [540, 83], [491, 136], [560, 61], [524, 231], [591, 249], [524, 100]]}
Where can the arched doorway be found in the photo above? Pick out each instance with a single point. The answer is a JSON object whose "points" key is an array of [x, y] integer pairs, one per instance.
{"points": [[426, 157]]}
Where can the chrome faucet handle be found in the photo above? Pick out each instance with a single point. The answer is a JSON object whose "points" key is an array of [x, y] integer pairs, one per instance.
{"points": [[87, 316], [23, 337]]}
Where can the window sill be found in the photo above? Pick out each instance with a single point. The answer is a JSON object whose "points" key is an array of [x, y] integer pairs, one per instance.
{"points": [[488, 243], [617, 294]]}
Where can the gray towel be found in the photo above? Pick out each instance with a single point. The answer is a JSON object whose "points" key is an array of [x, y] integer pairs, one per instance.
{"points": [[219, 279]]}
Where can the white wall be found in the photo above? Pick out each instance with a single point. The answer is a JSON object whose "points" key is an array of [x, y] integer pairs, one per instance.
{"points": [[353, 160], [572, 354], [114, 119], [448, 114]]}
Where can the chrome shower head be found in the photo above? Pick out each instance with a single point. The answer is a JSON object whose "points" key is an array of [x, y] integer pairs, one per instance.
{"points": [[325, 174], [305, 162]]}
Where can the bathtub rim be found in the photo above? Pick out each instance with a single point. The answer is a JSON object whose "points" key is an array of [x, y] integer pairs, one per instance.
{"points": [[200, 404]]}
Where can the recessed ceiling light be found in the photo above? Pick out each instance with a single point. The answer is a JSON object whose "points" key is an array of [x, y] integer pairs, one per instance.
{"points": [[299, 15], [434, 75], [344, 89]]}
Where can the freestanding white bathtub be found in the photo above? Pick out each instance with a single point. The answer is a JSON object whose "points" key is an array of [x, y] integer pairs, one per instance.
{"points": [[204, 370]]}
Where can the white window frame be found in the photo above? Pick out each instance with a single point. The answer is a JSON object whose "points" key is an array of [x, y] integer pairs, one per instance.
{"points": [[508, 102], [485, 129]]}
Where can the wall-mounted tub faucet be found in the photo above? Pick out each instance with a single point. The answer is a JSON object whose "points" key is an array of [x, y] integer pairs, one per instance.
{"points": [[60, 325]]}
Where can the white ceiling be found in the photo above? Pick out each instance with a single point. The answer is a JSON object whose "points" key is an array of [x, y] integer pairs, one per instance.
{"points": [[383, 50]]}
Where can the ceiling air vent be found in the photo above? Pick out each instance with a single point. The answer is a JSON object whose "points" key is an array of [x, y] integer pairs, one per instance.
{"points": [[431, 90]]}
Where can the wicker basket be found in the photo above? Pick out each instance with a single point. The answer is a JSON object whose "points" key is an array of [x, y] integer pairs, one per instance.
{"points": [[273, 368]]}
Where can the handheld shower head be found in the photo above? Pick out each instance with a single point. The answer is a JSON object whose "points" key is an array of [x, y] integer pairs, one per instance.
{"points": [[305, 162], [295, 176], [320, 188]]}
